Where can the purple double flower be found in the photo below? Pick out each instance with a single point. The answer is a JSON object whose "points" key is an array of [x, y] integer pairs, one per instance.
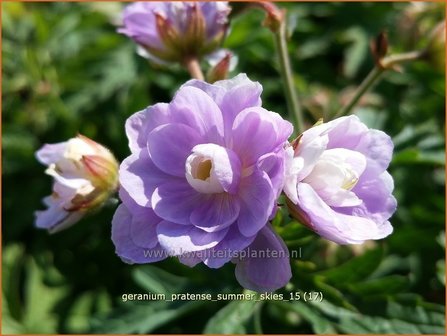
{"points": [[204, 176]]}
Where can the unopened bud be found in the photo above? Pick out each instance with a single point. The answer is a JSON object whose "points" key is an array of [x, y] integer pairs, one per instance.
{"points": [[379, 48], [220, 68], [275, 16]]}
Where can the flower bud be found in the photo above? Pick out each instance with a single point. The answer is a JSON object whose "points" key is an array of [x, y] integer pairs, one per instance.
{"points": [[175, 31], [85, 176], [275, 16], [221, 62], [379, 48]]}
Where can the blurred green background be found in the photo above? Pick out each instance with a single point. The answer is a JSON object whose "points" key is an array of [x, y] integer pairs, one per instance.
{"points": [[66, 70]]}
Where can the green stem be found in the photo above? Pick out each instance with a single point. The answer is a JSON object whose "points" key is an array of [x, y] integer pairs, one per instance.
{"points": [[386, 63], [366, 84], [392, 60], [193, 67], [287, 76], [257, 320]]}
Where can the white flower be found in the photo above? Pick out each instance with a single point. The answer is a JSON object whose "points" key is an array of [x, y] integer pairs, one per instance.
{"points": [[85, 175]]}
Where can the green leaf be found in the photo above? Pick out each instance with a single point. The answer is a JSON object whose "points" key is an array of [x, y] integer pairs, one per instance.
{"points": [[320, 324], [419, 318], [313, 48], [440, 266], [156, 280], [430, 318], [40, 302], [333, 294], [142, 318], [356, 53], [11, 304], [232, 319], [78, 316], [410, 134], [414, 155], [9, 324], [116, 71], [18, 147], [441, 239], [355, 269], [382, 286]]}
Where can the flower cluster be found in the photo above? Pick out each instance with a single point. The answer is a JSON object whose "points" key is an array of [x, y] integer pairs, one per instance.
{"points": [[206, 170]]}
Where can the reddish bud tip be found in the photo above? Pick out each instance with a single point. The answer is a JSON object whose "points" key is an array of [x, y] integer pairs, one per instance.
{"points": [[100, 168], [275, 16], [379, 47], [220, 70], [167, 32]]}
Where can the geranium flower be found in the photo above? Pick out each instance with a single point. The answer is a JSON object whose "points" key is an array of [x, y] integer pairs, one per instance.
{"points": [[85, 175], [202, 181], [337, 183], [173, 31]]}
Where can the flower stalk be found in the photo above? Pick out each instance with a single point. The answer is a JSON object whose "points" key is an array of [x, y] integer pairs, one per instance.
{"points": [[287, 75], [193, 67], [383, 63]]}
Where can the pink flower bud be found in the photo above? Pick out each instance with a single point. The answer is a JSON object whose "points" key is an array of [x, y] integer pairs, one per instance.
{"points": [[222, 62], [85, 176]]}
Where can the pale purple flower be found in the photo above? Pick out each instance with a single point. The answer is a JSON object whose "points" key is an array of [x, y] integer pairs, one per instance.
{"points": [[170, 31], [337, 183], [202, 181], [85, 175]]}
